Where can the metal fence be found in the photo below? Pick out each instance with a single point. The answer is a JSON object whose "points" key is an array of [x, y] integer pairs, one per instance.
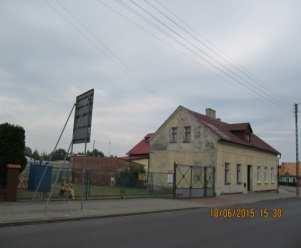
{"points": [[67, 183], [193, 181], [287, 180], [87, 184]]}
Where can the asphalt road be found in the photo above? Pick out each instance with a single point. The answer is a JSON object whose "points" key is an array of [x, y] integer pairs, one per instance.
{"points": [[193, 228]]}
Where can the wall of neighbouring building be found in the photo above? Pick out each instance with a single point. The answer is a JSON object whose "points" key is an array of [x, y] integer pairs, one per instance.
{"points": [[143, 162], [200, 151], [100, 170], [234, 154]]}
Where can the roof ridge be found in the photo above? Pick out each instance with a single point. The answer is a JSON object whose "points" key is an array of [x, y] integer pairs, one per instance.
{"points": [[223, 130]]}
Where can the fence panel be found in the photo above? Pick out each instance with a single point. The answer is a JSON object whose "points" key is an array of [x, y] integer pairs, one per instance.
{"points": [[77, 184], [193, 181]]}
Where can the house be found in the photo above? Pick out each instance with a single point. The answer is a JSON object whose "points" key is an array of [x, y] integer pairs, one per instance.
{"points": [[140, 152], [287, 173], [243, 162]]}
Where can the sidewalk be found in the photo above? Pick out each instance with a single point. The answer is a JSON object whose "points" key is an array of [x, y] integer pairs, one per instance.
{"points": [[251, 197], [34, 212]]}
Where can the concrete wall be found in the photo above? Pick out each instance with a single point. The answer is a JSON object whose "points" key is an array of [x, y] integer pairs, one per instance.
{"points": [[200, 151], [234, 154]]}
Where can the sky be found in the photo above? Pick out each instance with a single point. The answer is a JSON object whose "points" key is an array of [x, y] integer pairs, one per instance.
{"points": [[142, 66]]}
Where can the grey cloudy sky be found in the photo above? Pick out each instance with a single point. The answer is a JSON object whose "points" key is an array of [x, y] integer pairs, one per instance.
{"points": [[52, 51]]}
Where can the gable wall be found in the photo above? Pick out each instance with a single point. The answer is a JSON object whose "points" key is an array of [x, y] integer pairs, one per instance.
{"points": [[200, 151]]}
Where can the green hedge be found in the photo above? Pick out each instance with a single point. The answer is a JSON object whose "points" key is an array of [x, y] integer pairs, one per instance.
{"points": [[12, 147]]}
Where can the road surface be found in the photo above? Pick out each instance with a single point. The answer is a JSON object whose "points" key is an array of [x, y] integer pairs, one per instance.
{"points": [[190, 228]]}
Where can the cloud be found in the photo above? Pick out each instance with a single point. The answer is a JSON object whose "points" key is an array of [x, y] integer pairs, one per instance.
{"points": [[45, 62]]}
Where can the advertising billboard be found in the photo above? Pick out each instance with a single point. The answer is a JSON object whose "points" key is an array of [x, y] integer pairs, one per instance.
{"points": [[83, 117]]}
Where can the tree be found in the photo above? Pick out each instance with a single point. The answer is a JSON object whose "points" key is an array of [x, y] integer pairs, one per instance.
{"points": [[129, 177], [12, 148], [28, 151], [59, 154], [44, 156], [95, 153], [36, 155]]}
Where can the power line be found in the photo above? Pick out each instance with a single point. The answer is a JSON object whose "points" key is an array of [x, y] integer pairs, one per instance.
{"points": [[206, 44], [106, 5], [83, 30], [262, 93], [195, 49]]}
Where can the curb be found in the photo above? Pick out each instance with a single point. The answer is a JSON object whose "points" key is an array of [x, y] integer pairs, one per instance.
{"points": [[58, 220]]}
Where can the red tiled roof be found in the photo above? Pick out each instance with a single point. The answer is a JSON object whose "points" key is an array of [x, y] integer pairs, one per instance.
{"points": [[288, 168], [228, 132], [142, 148]]}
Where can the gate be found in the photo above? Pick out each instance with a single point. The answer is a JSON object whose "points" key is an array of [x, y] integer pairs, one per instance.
{"points": [[193, 181]]}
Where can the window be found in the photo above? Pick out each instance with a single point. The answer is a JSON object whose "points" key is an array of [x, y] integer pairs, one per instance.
{"points": [[197, 133], [227, 173], [173, 135], [265, 175], [238, 174], [258, 174], [187, 134], [273, 175]]}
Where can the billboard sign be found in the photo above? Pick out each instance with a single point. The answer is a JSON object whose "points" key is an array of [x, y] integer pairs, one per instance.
{"points": [[83, 117]]}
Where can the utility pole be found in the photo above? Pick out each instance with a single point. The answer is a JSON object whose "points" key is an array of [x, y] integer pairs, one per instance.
{"points": [[297, 150]]}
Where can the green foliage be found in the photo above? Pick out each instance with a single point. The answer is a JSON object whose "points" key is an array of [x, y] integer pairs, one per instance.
{"points": [[44, 156], [59, 154], [129, 177], [95, 153], [28, 151], [12, 148], [36, 155]]}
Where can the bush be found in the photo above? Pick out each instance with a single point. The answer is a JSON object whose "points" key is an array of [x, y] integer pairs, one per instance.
{"points": [[129, 177], [12, 148]]}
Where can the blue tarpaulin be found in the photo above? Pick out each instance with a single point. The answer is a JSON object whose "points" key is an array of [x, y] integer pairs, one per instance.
{"points": [[36, 172]]}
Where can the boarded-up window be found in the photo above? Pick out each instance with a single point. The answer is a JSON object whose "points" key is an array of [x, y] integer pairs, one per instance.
{"points": [[273, 175], [238, 174], [173, 135], [265, 174], [227, 173], [187, 134], [258, 174]]}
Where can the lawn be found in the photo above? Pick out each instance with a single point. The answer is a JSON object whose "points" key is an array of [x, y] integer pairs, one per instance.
{"points": [[111, 191]]}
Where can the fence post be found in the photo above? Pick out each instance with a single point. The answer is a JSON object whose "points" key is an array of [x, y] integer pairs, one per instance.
{"points": [[205, 181], [86, 183], [213, 178], [174, 188], [82, 189], [190, 187]]}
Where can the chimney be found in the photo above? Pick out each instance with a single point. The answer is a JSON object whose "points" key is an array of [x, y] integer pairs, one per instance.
{"points": [[211, 113]]}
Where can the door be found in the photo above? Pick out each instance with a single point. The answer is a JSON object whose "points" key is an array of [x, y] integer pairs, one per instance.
{"points": [[249, 177]]}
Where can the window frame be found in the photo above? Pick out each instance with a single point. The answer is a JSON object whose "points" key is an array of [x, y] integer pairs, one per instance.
{"points": [[238, 174], [227, 172], [173, 138], [187, 138], [273, 175], [258, 174], [265, 175]]}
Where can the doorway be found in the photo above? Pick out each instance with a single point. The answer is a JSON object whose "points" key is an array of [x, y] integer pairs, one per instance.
{"points": [[249, 177]]}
